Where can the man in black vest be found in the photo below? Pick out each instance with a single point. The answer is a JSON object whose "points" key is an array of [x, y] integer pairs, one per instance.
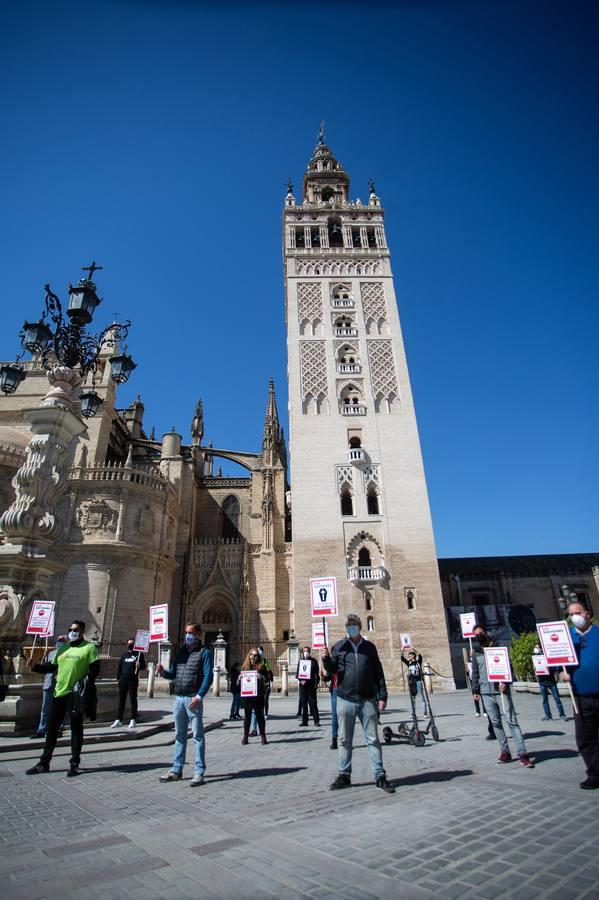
{"points": [[308, 688], [192, 673]]}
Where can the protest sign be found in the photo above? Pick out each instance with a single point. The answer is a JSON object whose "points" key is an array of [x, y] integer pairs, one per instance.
{"points": [[467, 623], [406, 641], [249, 684], [557, 645], [142, 641], [41, 618], [323, 596], [320, 635], [304, 669], [159, 623], [497, 660], [540, 664]]}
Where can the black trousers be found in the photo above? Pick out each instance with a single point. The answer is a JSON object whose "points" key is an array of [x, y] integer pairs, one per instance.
{"points": [[308, 700], [127, 686], [586, 728], [60, 708], [253, 704]]}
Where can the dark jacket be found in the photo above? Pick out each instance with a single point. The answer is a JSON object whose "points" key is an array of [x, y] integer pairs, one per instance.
{"points": [[191, 672], [314, 679], [127, 670], [414, 667], [360, 674]]}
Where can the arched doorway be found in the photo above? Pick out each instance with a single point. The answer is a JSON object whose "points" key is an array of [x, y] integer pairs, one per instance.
{"points": [[216, 617]]}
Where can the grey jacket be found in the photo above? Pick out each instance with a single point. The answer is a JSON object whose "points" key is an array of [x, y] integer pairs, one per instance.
{"points": [[480, 680]]}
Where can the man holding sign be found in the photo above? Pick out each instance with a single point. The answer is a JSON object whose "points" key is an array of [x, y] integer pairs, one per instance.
{"points": [[308, 676], [490, 680], [361, 693], [585, 682]]}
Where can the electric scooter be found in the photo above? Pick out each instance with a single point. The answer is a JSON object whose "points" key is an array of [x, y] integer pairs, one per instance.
{"points": [[410, 732]]}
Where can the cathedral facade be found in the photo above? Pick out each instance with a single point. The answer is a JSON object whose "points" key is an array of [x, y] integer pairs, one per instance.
{"points": [[146, 521]]}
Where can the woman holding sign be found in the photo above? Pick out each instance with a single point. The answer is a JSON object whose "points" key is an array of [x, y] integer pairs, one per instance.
{"points": [[252, 681]]}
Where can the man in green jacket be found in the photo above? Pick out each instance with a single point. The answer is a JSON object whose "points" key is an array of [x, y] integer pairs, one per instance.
{"points": [[72, 663]]}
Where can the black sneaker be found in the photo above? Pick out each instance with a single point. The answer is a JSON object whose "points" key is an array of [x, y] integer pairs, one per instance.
{"points": [[38, 769], [341, 781], [303, 724], [590, 784], [385, 785], [73, 771], [334, 744], [38, 734]]}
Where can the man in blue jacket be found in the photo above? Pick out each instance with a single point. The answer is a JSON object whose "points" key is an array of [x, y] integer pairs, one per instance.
{"points": [[361, 692], [585, 681], [192, 673]]}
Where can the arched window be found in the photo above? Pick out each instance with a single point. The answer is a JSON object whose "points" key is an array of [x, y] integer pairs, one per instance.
{"points": [[372, 503], [335, 232], [368, 600], [370, 623], [355, 442], [327, 194], [347, 503], [364, 557], [230, 517]]}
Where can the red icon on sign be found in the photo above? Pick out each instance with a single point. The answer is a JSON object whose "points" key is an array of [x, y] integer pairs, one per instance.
{"points": [[495, 659], [555, 638]]}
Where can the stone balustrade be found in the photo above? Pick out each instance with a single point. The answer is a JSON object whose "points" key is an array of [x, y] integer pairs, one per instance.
{"points": [[144, 477], [367, 574]]}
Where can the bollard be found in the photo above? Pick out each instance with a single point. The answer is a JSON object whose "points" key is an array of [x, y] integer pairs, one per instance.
{"points": [[151, 676], [285, 678], [216, 682], [428, 681]]}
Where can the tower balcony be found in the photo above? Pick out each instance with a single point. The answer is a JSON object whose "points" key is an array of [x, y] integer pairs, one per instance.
{"points": [[353, 409], [345, 303], [346, 332], [348, 368], [356, 456], [366, 574]]}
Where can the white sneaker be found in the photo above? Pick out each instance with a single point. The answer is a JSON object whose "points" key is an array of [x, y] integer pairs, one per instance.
{"points": [[116, 724], [477, 715], [132, 723]]}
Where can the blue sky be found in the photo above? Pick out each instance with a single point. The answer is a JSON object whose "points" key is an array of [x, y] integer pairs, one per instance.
{"points": [[157, 137]]}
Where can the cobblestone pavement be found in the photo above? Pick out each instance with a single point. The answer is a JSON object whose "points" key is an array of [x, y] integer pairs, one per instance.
{"points": [[265, 821]]}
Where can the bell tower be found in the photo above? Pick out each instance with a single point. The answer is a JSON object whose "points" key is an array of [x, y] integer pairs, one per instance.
{"points": [[360, 507]]}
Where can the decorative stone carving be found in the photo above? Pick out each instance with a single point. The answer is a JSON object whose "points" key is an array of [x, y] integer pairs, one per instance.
{"points": [[382, 369], [313, 369], [96, 515]]}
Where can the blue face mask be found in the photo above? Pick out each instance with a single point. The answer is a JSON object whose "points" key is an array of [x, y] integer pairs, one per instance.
{"points": [[191, 639], [352, 630]]}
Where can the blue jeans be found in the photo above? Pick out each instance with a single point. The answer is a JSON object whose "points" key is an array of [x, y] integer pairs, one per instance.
{"points": [[545, 688], [47, 699], [335, 722], [183, 715], [366, 711], [420, 692], [491, 702]]}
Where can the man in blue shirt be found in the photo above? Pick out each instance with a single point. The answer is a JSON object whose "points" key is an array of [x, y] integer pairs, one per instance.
{"points": [[585, 681], [192, 673]]}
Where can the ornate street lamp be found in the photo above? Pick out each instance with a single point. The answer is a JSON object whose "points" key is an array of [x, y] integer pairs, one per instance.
{"points": [[68, 351]]}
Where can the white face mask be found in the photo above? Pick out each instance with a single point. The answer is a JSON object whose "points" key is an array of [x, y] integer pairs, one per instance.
{"points": [[74, 635], [578, 620], [306, 655]]}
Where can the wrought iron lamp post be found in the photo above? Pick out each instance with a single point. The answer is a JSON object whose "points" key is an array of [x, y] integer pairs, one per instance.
{"points": [[69, 352]]}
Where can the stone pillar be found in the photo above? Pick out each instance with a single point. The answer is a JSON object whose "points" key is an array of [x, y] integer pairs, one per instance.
{"points": [[285, 678], [428, 679], [216, 682], [292, 652]]}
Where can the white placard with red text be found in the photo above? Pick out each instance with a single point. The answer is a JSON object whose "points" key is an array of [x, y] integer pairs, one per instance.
{"points": [[249, 684], [497, 660], [142, 641], [41, 618], [406, 641], [540, 664], [304, 669], [467, 622], [159, 622], [320, 635], [557, 645], [323, 596]]}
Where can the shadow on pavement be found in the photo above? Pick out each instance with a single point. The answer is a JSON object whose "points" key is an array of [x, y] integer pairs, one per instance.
{"points": [[255, 773], [539, 734], [430, 777], [540, 756], [124, 767]]}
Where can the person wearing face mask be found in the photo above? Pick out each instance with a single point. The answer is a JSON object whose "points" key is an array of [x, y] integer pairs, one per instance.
{"points": [[361, 693], [74, 662], [192, 674], [48, 689], [547, 683], [487, 691], [585, 683], [127, 675], [308, 688]]}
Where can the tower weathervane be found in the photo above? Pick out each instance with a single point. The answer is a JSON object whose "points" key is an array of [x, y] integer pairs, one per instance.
{"points": [[371, 185], [91, 269], [321, 132]]}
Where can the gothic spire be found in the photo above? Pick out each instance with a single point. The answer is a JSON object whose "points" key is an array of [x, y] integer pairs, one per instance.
{"points": [[197, 425], [271, 436]]}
